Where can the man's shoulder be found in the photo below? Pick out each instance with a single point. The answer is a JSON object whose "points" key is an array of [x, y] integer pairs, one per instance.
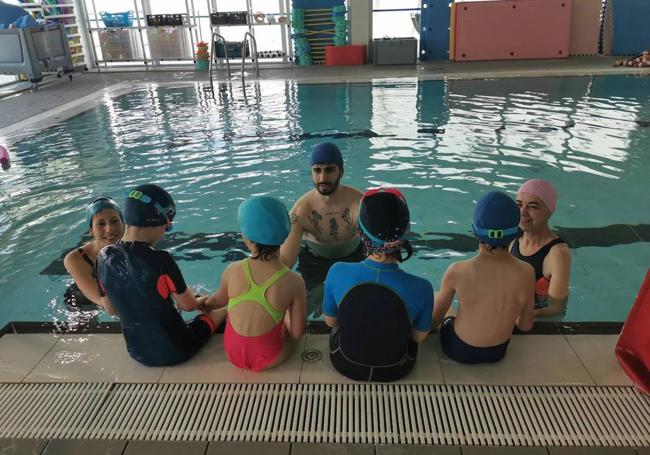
{"points": [[304, 202], [351, 192]]}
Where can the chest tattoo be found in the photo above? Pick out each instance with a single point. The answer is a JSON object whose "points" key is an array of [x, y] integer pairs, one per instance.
{"points": [[347, 217], [334, 228], [314, 219]]}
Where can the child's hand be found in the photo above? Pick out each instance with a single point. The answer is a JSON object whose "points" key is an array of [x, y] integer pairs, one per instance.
{"points": [[204, 305]]}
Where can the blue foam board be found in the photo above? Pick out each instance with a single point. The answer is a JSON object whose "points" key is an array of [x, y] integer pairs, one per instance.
{"points": [[631, 34], [435, 16]]}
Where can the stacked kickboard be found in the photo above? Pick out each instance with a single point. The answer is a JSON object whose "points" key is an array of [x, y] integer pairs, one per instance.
{"points": [[315, 29]]}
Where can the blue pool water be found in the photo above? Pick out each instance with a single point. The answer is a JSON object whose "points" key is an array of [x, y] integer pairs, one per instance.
{"points": [[442, 143]]}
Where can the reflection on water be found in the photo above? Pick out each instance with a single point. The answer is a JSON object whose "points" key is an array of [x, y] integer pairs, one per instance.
{"points": [[442, 143]]}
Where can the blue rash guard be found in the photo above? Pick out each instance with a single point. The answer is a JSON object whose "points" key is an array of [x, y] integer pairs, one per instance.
{"points": [[416, 292], [139, 280]]}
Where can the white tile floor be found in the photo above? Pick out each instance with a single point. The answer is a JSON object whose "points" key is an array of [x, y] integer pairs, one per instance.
{"points": [[531, 360], [90, 358], [19, 354]]}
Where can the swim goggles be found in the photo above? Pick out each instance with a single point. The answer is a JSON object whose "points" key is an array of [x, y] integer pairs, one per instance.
{"points": [[495, 233], [167, 212]]}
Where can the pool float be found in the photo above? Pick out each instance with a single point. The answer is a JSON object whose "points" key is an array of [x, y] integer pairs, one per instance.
{"points": [[4, 158], [633, 346]]}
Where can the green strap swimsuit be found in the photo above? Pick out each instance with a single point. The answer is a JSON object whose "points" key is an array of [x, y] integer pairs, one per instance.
{"points": [[257, 292]]}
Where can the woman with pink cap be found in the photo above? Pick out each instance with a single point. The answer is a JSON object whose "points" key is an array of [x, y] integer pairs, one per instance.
{"points": [[537, 245]]}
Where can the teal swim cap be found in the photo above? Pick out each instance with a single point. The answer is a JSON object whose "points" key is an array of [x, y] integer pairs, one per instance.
{"points": [[264, 220]]}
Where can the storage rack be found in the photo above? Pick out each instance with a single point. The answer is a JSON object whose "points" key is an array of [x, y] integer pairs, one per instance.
{"points": [[283, 7], [198, 28]]}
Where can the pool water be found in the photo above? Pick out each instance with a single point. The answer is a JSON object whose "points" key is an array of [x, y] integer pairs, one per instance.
{"points": [[442, 143]]}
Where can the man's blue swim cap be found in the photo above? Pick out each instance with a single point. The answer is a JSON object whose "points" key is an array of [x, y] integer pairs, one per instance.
{"points": [[327, 152], [264, 220], [149, 206], [100, 204], [496, 219]]}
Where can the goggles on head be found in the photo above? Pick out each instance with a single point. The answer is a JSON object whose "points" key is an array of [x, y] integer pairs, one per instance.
{"points": [[167, 212], [495, 233], [374, 191]]}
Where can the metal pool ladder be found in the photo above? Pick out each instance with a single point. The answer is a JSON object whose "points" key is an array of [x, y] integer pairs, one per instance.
{"points": [[216, 37]]}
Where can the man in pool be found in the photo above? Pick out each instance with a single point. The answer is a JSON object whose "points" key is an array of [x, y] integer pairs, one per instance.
{"points": [[141, 284], [325, 218], [540, 247]]}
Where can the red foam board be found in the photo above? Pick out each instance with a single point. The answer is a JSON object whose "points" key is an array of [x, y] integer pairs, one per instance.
{"points": [[511, 29], [354, 54]]}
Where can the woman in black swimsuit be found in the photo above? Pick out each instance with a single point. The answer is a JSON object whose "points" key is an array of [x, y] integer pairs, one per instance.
{"points": [[106, 226]]}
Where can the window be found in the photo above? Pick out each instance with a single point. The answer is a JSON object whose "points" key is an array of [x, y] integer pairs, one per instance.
{"points": [[395, 18]]}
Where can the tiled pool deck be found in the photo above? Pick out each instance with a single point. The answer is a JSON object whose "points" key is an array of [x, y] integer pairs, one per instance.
{"points": [[531, 360]]}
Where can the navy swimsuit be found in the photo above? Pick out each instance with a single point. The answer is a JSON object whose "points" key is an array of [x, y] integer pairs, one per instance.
{"points": [[139, 280]]}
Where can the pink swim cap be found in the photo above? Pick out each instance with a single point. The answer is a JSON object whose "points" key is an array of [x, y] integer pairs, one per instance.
{"points": [[543, 190]]}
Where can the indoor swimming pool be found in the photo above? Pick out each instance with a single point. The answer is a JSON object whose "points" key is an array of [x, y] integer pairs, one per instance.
{"points": [[442, 143]]}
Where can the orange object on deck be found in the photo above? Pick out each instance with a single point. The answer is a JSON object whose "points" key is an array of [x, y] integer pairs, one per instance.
{"points": [[633, 347], [354, 54]]}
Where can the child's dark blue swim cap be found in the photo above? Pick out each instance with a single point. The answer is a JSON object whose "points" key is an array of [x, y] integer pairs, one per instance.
{"points": [[496, 219], [149, 206], [327, 152], [100, 204]]}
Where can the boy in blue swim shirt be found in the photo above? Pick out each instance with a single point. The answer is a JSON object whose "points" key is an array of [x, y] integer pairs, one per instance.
{"points": [[140, 285], [379, 313], [494, 289]]}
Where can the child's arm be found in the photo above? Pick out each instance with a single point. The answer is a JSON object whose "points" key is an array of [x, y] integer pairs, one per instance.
{"points": [[298, 310], [220, 298], [445, 295]]}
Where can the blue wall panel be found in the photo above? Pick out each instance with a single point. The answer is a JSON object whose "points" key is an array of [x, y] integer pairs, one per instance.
{"points": [[631, 34], [434, 29]]}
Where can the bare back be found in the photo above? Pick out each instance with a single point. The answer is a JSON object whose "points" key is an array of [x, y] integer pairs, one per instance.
{"points": [[250, 318], [493, 290]]}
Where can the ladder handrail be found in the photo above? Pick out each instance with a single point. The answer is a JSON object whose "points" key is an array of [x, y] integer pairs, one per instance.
{"points": [[213, 56], [253, 54]]}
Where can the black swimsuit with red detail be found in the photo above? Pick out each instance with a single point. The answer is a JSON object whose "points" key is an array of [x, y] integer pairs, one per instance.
{"points": [[537, 261]]}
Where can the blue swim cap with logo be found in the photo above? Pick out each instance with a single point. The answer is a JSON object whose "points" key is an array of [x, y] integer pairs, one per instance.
{"points": [[264, 220], [327, 152], [99, 204], [496, 219], [149, 206]]}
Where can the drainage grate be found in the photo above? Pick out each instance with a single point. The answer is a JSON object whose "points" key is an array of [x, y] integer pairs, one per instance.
{"points": [[333, 413]]}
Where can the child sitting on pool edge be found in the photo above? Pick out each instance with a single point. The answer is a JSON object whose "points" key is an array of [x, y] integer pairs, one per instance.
{"points": [[495, 290], [265, 300], [140, 284]]}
